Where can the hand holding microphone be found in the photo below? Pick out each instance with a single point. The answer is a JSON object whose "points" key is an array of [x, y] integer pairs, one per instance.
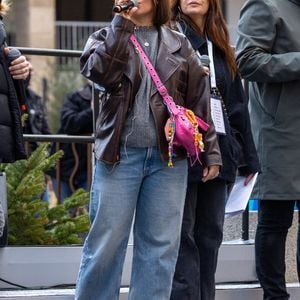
{"points": [[124, 7], [13, 54], [19, 66], [205, 61]]}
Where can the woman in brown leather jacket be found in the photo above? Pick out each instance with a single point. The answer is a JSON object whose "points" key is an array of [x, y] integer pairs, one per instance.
{"points": [[131, 181]]}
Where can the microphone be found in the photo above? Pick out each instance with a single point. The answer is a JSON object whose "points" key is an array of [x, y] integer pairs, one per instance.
{"points": [[13, 54], [125, 6], [205, 60]]}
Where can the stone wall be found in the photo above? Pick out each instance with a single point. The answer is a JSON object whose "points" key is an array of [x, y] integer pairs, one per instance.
{"points": [[33, 23]]}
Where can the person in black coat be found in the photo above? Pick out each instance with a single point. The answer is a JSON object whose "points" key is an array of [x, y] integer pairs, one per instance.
{"points": [[203, 220], [37, 122], [76, 119], [11, 138]]}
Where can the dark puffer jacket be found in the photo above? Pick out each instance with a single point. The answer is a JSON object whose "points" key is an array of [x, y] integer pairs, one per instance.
{"points": [[11, 137]]}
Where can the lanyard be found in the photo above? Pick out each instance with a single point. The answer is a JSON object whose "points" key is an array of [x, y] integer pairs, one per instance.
{"points": [[213, 81], [215, 103]]}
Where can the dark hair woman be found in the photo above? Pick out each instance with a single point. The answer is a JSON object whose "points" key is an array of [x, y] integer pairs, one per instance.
{"points": [[202, 22], [131, 181]]}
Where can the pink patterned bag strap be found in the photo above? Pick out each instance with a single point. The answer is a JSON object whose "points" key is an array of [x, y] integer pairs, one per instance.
{"points": [[169, 102]]}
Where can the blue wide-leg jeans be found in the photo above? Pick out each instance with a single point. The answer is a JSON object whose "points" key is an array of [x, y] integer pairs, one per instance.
{"points": [[143, 188]]}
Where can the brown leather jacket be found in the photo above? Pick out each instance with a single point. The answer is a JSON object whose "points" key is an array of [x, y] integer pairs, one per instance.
{"points": [[109, 59]]}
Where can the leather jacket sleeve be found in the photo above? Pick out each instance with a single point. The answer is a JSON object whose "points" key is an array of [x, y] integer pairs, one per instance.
{"points": [[103, 67]]}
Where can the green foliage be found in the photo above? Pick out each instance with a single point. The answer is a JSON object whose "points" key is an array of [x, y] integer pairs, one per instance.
{"points": [[30, 220], [24, 119]]}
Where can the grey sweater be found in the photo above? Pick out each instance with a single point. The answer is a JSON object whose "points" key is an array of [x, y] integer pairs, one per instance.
{"points": [[139, 128]]}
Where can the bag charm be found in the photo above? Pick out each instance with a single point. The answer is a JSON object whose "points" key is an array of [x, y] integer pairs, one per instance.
{"points": [[185, 129]]}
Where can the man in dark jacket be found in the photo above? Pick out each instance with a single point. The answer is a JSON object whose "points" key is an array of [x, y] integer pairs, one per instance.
{"points": [[268, 56], [76, 119], [36, 122]]}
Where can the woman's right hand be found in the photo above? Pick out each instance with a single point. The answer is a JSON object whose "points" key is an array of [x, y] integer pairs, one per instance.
{"points": [[127, 14]]}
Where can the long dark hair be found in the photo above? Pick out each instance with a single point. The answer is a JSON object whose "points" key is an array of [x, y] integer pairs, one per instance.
{"points": [[163, 12], [215, 27]]}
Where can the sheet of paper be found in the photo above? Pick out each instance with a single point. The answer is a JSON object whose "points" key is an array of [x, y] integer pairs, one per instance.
{"points": [[239, 196]]}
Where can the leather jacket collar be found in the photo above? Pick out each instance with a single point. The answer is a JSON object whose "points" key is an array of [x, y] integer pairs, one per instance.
{"points": [[168, 46]]}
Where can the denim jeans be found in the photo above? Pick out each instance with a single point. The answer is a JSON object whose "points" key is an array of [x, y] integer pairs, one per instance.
{"points": [[274, 219], [143, 188], [201, 237]]}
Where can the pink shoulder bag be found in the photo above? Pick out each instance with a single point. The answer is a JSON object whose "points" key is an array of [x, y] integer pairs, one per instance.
{"points": [[184, 123]]}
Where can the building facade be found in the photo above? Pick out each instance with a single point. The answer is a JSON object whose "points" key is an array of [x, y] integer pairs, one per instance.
{"points": [[66, 24]]}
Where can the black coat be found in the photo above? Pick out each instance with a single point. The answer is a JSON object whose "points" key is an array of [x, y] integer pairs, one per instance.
{"points": [[36, 123], [11, 136], [76, 119], [235, 154]]}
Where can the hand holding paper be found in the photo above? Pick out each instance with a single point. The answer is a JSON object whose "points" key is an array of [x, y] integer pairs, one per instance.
{"points": [[239, 196]]}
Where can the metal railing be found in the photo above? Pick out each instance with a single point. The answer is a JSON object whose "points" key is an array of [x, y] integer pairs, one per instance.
{"points": [[73, 35], [59, 138]]}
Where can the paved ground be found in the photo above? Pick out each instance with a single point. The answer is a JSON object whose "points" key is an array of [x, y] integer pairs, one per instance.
{"points": [[232, 231]]}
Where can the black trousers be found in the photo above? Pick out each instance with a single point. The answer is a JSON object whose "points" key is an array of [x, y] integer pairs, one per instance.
{"points": [[274, 219], [201, 237]]}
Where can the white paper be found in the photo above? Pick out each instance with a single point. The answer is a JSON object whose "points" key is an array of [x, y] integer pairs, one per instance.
{"points": [[217, 115], [239, 196]]}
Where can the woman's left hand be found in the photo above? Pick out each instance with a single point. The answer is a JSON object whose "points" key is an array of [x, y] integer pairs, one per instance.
{"points": [[210, 173], [19, 67], [248, 178]]}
